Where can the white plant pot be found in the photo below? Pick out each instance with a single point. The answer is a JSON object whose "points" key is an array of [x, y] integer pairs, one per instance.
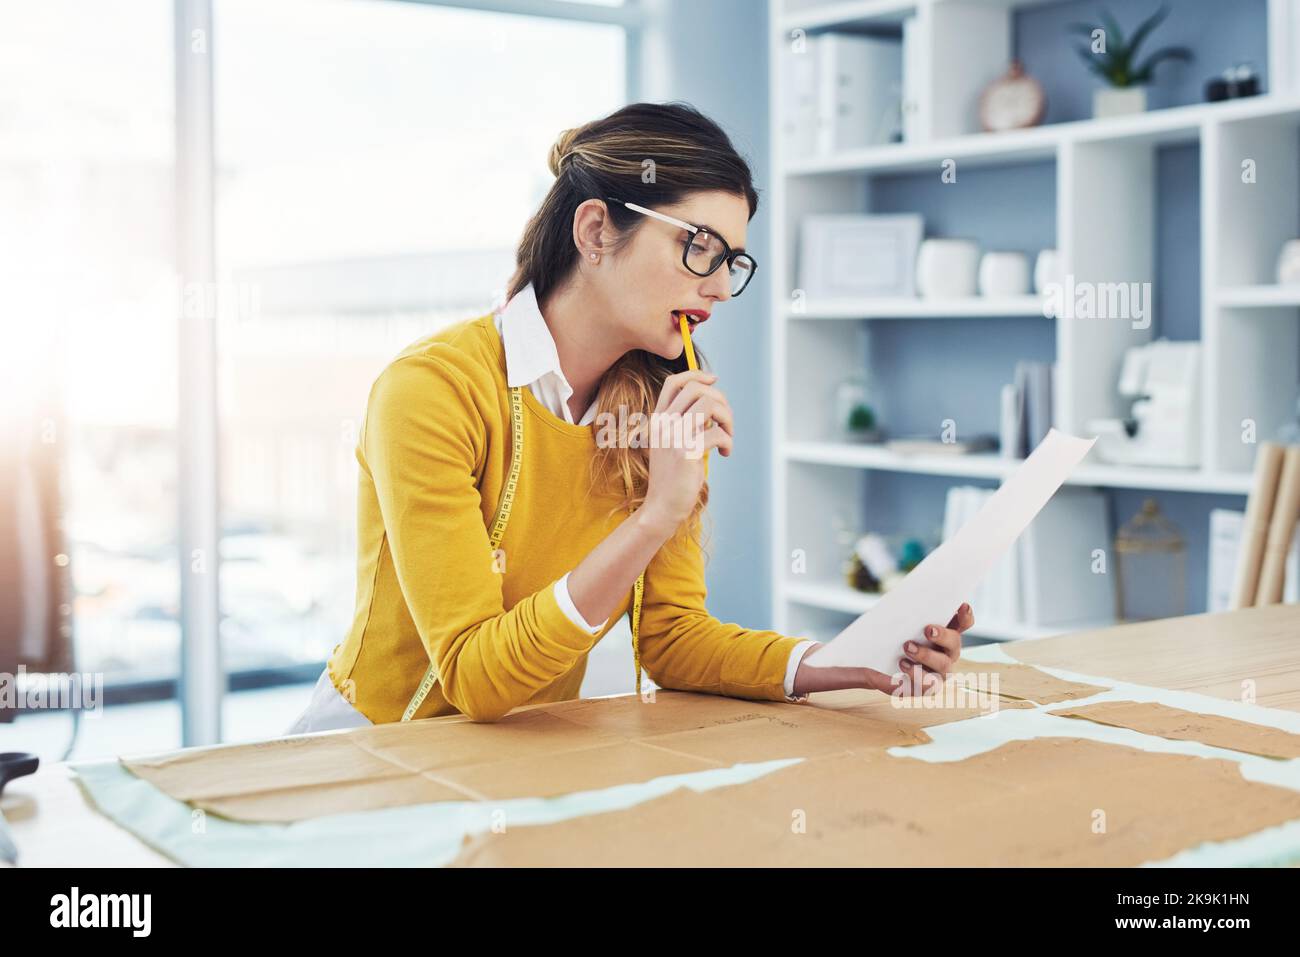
{"points": [[1118, 101], [1288, 263], [947, 268], [1047, 269], [1004, 274]]}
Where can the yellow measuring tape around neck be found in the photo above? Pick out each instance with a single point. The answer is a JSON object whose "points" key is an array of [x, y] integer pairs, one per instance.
{"points": [[497, 531]]}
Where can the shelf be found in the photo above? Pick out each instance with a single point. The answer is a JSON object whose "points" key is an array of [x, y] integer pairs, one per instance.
{"points": [[847, 15], [976, 465], [834, 596], [856, 14], [990, 465], [1162, 479], [1262, 297], [978, 149], [916, 308], [1179, 124]]}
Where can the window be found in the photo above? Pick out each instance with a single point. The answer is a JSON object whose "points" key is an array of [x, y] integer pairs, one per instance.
{"points": [[88, 361], [376, 163]]}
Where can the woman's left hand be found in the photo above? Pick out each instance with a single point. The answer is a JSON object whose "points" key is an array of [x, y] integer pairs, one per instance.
{"points": [[935, 657], [925, 663]]}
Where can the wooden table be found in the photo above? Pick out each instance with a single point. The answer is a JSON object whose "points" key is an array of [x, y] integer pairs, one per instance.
{"points": [[1213, 655]]}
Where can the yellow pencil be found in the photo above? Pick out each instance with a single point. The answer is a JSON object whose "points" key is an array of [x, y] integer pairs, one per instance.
{"points": [[685, 326]]}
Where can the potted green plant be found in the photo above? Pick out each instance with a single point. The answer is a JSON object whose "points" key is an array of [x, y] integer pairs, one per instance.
{"points": [[855, 418], [1115, 60], [862, 421]]}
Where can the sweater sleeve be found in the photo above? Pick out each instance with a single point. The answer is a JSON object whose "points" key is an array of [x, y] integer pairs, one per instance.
{"points": [[422, 442], [685, 648]]}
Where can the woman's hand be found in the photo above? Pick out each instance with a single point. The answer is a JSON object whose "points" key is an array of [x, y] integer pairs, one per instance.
{"points": [[924, 663], [677, 466]]}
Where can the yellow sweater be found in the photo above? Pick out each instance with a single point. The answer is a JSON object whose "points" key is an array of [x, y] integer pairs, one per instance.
{"points": [[434, 452]]}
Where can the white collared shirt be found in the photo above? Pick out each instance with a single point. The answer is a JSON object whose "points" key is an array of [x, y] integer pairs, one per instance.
{"points": [[532, 360]]}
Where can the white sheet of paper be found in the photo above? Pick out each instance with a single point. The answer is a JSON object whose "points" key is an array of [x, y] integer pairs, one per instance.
{"points": [[932, 592]]}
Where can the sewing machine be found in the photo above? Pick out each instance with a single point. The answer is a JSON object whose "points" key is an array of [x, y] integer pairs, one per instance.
{"points": [[1162, 379]]}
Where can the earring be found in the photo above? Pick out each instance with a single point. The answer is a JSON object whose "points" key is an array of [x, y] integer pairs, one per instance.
{"points": [[594, 257]]}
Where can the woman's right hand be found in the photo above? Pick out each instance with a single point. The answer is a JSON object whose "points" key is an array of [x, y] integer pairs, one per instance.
{"points": [[677, 466]]}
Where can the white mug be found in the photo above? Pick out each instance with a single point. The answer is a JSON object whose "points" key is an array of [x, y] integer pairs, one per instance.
{"points": [[1288, 262], [947, 268], [1047, 269], [1004, 274]]}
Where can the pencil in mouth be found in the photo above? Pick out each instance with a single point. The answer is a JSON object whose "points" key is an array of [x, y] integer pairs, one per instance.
{"points": [[685, 325]]}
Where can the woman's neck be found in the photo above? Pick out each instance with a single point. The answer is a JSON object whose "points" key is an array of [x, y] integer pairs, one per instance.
{"points": [[584, 341]]}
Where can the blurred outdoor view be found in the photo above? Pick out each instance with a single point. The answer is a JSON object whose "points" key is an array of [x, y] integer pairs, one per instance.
{"points": [[363, 200]]}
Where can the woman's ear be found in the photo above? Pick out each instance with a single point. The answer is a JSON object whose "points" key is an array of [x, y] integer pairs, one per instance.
{"points": [[591, 230]]}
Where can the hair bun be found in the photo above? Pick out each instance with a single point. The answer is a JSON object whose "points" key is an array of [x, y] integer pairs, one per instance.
{"points": [[560, 150]]}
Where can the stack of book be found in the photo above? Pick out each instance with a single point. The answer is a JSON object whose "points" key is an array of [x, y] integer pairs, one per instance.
{"points": [[841, 92], [1050, 576], [926, 445], [1027, 408]]}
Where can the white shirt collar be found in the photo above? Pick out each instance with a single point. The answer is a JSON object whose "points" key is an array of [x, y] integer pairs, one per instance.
{"points": [[531, 357]]}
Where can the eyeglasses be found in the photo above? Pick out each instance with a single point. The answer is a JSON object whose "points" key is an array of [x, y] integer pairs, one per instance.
{"points": [[705, 251]]}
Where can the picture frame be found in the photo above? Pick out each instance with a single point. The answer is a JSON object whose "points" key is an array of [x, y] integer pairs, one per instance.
{"points": [[859, 255]]}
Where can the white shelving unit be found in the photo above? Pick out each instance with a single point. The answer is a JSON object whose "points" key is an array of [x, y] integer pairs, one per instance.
{"points": [[838, 597], [986, 465], [1250, 328], [899, 308], [1260, 297]]}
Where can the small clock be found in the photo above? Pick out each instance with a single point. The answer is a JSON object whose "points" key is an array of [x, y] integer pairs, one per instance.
{"points": [[1012, 102]]}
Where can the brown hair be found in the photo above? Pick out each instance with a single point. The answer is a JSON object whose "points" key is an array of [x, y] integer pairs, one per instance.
{"points": [[686, 152]]}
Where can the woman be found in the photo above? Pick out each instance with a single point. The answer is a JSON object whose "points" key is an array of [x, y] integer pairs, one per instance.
{"points": [[461, 608]]}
